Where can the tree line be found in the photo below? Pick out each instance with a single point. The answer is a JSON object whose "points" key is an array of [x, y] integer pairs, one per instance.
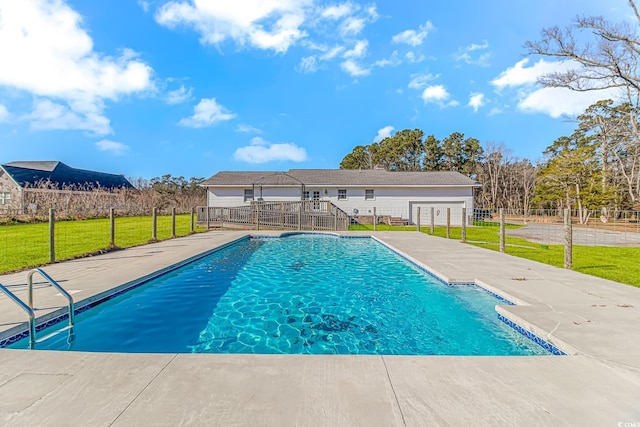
{"points": [[506, 181], [596, 167]]}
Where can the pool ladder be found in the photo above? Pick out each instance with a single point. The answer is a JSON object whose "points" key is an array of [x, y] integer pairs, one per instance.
{"points": [[29, 309]]}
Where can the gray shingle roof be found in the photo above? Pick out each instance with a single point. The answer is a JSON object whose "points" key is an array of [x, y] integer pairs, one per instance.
{"points": [[30, 174], [336, 177]]}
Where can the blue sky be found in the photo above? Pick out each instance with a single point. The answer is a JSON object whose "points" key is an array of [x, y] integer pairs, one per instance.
{"points": [[192, 87]]}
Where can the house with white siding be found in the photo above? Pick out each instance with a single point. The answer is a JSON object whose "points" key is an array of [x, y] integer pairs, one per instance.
{"points": [[356, 192]]}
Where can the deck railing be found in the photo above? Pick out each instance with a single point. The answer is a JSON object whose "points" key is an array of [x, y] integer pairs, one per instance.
{"points": [[299, 215]]}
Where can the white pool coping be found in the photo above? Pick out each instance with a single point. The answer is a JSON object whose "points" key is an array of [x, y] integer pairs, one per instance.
{"points": [[595, 319]]}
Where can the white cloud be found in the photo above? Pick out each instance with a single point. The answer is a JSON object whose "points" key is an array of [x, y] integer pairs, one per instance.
{"points": [[412, 58], [437, 94], [313, 63], [392, 61], [262, 151], [358, 51], [352, 26], [308, 64], [144, 5], [419, 81], [465, 54], [4, 114], [354, 69], [383, 133], [179, 95], [332, 53], [116, 148], [50, 115], [413, 37], [495, 111], [51, 56], [207, 113], [264, 24], [476, 100], [338, 11], [245, 128], [555, 102], [519, 75]]}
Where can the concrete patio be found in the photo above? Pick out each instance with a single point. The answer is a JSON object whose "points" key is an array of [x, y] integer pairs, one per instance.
{"points": [[594, 320]]}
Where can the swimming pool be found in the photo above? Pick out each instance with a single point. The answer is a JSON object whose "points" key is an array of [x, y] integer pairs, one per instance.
{"points": [[314, 294]]}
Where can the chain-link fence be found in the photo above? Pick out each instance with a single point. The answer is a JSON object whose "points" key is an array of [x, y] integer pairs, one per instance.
{"points": [[28, 244]]}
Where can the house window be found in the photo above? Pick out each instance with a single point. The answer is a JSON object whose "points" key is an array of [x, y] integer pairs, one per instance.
{"points": [[368, 195], [248, 195], [5, 198], [305, 195], [316, 195], [342, 194]]}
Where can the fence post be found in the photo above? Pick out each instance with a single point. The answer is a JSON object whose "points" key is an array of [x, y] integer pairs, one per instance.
{"points": [[501, 230], [464, 225], [568, 241], [206, 216], [300, 215], [335, 219], [191, 226], [257, 216], [418, 220], [375, 220], [52, 235], [173, 222], [448, 223], [154, 224], [112, 227], [433, 222]]}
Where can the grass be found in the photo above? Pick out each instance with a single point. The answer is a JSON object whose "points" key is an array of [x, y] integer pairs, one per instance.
{"points": [[27, 245], [613, 263]]}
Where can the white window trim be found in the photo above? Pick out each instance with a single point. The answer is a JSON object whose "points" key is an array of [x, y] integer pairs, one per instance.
{"points": [[373, 191], [245, 195], [346, 194]]}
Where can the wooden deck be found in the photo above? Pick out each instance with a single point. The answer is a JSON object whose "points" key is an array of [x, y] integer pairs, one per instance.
{"points": [[308, 215]]}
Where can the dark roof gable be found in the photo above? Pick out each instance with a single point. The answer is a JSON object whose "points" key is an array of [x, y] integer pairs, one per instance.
{"points": [[32, 174]]}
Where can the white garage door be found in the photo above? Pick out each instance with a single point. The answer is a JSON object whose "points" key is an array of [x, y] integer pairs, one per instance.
{"points": [[439, 212]]}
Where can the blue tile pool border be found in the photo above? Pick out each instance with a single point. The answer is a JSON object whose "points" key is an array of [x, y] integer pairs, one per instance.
{"points": [[533, 337]]}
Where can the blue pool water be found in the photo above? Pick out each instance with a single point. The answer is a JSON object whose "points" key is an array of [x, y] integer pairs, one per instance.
{"points": [[310, 294]]}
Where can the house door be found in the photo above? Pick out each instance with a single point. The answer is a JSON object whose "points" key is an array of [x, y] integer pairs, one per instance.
{"points": [[316, 197]]}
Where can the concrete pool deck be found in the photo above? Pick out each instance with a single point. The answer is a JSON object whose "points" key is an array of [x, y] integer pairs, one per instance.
{"points": [[594, 320]]}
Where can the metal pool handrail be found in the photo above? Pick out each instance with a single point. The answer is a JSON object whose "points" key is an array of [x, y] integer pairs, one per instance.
{"points": [[29, 310], [55, 285]]}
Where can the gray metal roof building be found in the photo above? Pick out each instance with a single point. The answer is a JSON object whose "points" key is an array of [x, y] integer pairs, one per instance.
{"points": [[58, 175]]}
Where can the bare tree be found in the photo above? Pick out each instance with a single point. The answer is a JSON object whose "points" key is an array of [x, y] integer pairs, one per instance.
{"points": [[610, 60]]}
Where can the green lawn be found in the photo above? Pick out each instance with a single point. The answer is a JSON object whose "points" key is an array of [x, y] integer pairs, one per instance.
{"points": [[613, 263], [26, 245]]}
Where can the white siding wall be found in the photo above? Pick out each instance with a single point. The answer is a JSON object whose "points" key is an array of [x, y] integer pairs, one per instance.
{"points": [[398, 202], [230, 197]]}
